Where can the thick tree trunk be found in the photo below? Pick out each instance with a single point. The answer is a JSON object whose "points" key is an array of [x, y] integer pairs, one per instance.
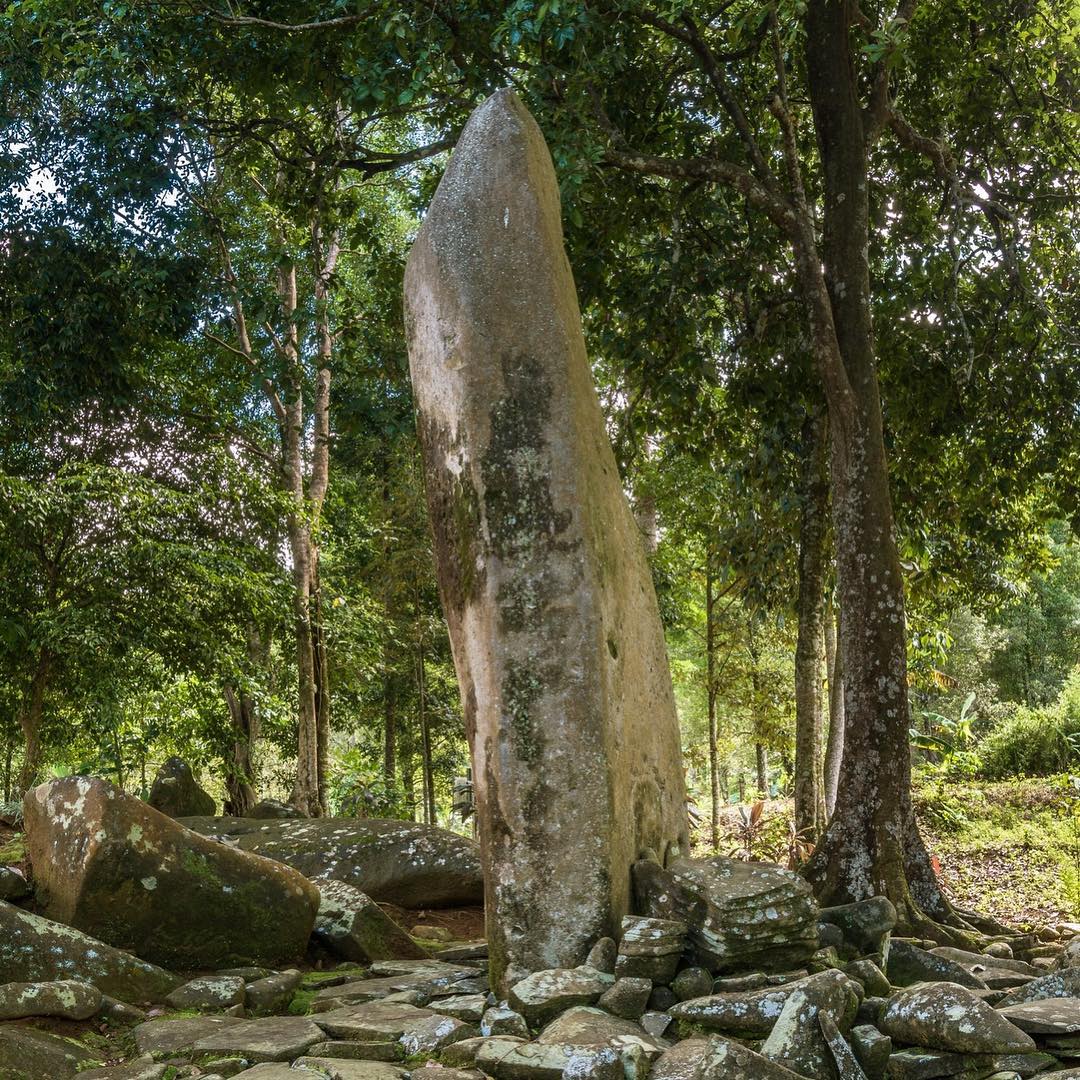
{"points": [[239, 771], [30, 717], [871, 846], [809, 661], [834, 749]]}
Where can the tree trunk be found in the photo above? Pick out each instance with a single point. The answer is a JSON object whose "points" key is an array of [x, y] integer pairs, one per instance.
{"points": [[425, 738], [322, 685], [762, 765], [872, 845], [30, 716], [9, 756], [389, 726], [711, 694], [834, 750], [809, 662]]}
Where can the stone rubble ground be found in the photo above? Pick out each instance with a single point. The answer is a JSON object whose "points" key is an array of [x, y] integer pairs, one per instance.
{"points": [[680, 995]]}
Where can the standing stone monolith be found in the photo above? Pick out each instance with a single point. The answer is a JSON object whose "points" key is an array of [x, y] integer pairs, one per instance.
{"points": [[553, 620]]}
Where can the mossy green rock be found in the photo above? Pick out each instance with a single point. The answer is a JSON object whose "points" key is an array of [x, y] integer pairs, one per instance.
{"points": [[33, 948], [176, 792], [110, 865], [26, 1054]]}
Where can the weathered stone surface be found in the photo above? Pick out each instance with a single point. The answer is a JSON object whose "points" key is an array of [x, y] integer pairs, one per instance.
{"points": [[846, 1063], [176, 792], [330, 1069], [751, 1014], [945, 1016], [66, 1000], [796, 1040], [426, 980], [467, 1007], [539, 1061], [418, 1030], [502, 1020], [274, 1038], [210, 993], [1048, 1016], [553, 619], [602, 955], [358, 1050], [865, 925], [872, 1048], [271, 994], [143, 1068], [26, 1054], [741, 915], [657, 1024], [107, 863], [351, 924], [464, 1053], [166, 1038], [716, 1058], [13, 885], [545, 994], [273, 810], [628, 998], [399, 862], [692, 982], [907, 964], [38, 949], [585, 1026], [1064, 983], [870, 977]]}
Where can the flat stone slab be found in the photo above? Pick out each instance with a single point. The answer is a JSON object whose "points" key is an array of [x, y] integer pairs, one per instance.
{"points": [[274, 1038], [541, 996], [338, 1069], [165, 1038], [418, 1030], [1050, 1016], [65, 1000], [716, 1058], [751, 1014], [145, 1068]]}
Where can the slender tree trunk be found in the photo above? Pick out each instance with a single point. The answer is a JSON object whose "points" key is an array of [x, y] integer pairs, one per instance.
{"points": [[30, 716], [9, 756], [872, 845], [809, 661], [240, 770], [425, 737], [322, 687], [711, 694], [762, 764], [389, 727], [834, 750]]}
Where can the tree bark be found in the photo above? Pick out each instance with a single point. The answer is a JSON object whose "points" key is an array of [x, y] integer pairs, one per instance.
{"points": [[809, 661], [711, 690], [762, 763], [871, 846], [834, 749], [30, 717], [428, 776]]}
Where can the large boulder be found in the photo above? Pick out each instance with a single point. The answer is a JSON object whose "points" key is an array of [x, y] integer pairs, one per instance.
{"points": [[176, 792], [396, 862], [741, 915], [110, 865], [556, 634], [33, 948], [26, 1054]]}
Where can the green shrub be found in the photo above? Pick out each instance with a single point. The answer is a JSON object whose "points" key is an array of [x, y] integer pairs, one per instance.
{"points": [[1031, 742]]}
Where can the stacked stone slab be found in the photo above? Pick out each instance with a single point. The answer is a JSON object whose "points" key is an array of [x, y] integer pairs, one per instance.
{"points": [[740, 915], [553, 619], [650, 948]]}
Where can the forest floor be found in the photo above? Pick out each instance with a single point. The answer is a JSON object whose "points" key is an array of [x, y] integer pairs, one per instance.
{"points": [[1008, 849]]}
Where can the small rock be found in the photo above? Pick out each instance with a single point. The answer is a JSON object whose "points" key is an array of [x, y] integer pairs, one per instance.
{"points": [[830, 935], [64, 1000], [273, 810], [272, 994], [1060, 984], [274, 1038], [870, 977], [847, 1065], [13, 885], [662, 998], [467, 1007], [120, 1012], [249, 974], [352, 925], [176, 792], [431, 933], [544, 994], [864, 925], [796, 1040], [602, 955], [945, 1016], [872, 1049], [908, 964], [628, 998], [27, 1054], [502, 1020], [169, 1038], [1000, 950], [692, 982], [656, 1023], [143, 1068], [211, 993], [464, 1053], [1048, 1016], [355, 1050]]}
